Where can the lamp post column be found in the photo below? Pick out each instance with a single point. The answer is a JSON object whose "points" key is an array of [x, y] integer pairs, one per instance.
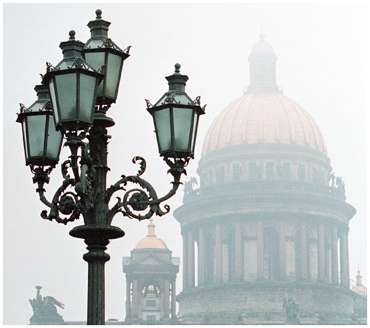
{"points": [[97, 230]]}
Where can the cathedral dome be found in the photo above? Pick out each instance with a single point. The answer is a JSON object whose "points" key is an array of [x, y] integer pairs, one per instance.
{"points": [[151, 241], [263, 118], [263, 115]]}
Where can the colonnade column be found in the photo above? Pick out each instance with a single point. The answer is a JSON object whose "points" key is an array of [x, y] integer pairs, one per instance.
{"points": [[282, 247], [201, 256], [334, 254], [128, 299], [238, 252], [185, 278], [303, 252], [173, 298], [260, 250], [344, 264], [166, 305], [135, 299], [218, 254], [191, 262], [321, 253]]}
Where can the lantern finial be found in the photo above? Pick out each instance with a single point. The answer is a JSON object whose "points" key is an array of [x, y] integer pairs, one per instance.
{"points": [[98, 13], [177, 68], [72, 34]]}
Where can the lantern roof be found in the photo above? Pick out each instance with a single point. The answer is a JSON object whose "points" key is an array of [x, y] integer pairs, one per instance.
{"points": [[176, 93], [43, 99], [72, 56], [99, 35], [41, 104]]}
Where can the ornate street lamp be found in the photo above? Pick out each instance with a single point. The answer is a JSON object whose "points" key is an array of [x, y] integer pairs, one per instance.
{"points": [[175, 117], [80, 105], [73, 85], [103, 54], [41, 140]]}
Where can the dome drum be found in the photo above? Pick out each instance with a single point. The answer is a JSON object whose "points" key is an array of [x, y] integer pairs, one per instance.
{"points": [[268, 225]]}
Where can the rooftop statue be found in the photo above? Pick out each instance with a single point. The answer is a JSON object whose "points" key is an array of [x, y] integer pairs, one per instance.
{"points": [[292, 311], [45, 309]]}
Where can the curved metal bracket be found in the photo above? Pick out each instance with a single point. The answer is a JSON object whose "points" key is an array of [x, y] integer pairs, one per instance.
{"points": [[145, 198]]}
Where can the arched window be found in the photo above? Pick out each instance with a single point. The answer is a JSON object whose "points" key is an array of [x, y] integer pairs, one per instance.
{"points": [[220, 174], [313, 264], [254, 171], [301, 172], [269, 170], [237, 171], [250, 259], [270, 253], [250, 252], [290, 246]]}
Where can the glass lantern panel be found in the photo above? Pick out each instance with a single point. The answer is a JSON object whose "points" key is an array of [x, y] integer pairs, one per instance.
{"points": [[66, 85], [25, 138], [36, 134], [87, 97], [54, 140], [195, 126], [182, 99], [54, 102], [163, 127], [182, 119], [113, 72], [96, 60]]}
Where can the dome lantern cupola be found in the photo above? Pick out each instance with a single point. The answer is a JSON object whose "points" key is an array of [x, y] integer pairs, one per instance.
{"points": [[262, 68]]}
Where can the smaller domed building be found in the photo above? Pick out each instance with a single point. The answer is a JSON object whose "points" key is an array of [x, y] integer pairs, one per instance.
{"points": [[150, 281], [360, 300]]}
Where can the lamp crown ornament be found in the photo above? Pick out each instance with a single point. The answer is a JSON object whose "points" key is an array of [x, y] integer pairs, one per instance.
{"points": [[177, 81]]}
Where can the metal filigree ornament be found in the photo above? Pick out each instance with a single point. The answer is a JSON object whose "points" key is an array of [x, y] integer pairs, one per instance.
{"points": [[71, 106]]}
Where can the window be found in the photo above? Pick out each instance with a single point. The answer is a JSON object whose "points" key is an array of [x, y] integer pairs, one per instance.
{"points": [[254, 171], [250, 259], [269, 170], [220, 174], [151, 317], [286, 170], [150, 303], [237, 171], [301, 173], [315, 176]]}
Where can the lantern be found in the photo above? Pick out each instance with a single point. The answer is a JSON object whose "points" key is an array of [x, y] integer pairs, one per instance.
{"points": [[175, 117], [73, 85], [101, 53], [41, 140]]}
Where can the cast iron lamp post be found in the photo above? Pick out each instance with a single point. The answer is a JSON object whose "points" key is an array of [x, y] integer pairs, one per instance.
{"points": [[72, 103]]}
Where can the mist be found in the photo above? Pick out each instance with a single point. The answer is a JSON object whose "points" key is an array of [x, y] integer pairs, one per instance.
{"points": [[322, 64]]}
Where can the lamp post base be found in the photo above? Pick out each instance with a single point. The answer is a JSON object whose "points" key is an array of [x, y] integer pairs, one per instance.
{"points": [[96, 238]]}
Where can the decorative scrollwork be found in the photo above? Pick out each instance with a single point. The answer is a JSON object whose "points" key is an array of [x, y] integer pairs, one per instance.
{"points": [[140, 202], [65, 202], [141, 161], [148, 103], [144, 198]]}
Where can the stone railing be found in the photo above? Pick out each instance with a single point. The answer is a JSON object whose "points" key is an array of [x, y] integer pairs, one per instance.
{"points": [[259, 187]]}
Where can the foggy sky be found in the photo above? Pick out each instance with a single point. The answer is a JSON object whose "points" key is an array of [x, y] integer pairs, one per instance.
{"points": [[322, 64]]}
